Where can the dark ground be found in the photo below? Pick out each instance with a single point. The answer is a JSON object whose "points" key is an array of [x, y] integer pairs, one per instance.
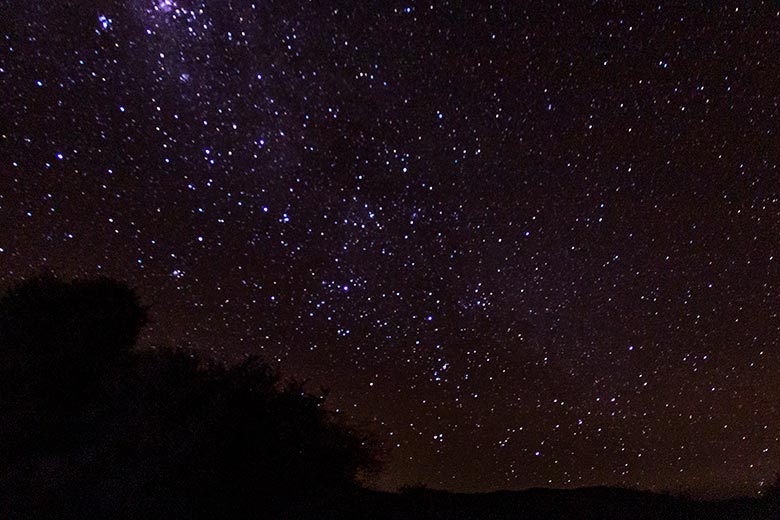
{"points": [[540, 504]]}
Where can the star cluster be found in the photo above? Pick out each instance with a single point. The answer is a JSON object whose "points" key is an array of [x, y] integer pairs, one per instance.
{"points": [[529, 245]]}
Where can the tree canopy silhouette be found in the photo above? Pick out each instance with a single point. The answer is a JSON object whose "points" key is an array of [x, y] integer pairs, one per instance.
{"points": [[95, 427]]}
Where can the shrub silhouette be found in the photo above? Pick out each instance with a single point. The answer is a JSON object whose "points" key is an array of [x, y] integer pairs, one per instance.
{"points": [[58, 342], [98, 429]]}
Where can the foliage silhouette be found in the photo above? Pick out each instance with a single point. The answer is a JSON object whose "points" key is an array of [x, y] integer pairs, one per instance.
{"points": [[99, 429]]}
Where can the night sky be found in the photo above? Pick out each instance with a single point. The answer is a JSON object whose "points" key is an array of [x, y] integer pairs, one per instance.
{"points": [[527, 246]]}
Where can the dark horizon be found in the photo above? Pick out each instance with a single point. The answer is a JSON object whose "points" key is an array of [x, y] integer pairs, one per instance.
{"points": [[528, 246]]}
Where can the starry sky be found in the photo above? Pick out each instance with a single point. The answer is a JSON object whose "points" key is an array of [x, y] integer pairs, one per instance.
{"points": [[526, 244]]}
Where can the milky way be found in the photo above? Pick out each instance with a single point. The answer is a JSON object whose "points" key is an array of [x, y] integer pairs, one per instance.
{"points": [[526, 246]]}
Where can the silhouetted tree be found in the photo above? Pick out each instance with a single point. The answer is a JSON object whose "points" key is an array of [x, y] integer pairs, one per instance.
{"points": [[94, 428], [58, 342]]}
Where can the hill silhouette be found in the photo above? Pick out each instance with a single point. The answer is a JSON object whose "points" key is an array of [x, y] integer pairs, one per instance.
{"points": [[94, 428], [596, 503]]}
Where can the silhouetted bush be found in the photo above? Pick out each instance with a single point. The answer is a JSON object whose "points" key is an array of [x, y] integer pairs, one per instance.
{"points": [[59, 342], [93, 428]]}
